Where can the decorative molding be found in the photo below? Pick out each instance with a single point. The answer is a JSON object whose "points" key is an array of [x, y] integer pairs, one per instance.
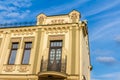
{"points": [[0, 40], [57, 21], [56, 29], [24, 31], [6, 31], [65, 51], [55, 37], [23, 68], [1, 33], [20, 68], [28, 39], [16, 39], [74, 17], [83, 77], [9, 68], [41, 19]]}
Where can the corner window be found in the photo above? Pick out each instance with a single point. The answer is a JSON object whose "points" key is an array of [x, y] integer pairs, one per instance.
{"points": [[26, 53], [13, 53]]}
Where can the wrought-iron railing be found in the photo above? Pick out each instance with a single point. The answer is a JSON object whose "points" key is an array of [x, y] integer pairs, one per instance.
{"points": [[18, 24], [61, 67]]}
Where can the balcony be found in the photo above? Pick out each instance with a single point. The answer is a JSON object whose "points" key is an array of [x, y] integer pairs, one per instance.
{"points": [[54, 70]]}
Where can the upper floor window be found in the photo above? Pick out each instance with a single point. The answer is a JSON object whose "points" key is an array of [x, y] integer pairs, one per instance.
{"points": [[26, 53], [55, 53], [13, 53]]}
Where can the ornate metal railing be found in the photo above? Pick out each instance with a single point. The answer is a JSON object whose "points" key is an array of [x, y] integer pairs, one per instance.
{"points": [[18, 24], [62, 66]]}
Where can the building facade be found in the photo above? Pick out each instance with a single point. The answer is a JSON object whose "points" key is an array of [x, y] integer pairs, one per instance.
{"points": [[56, 48]]}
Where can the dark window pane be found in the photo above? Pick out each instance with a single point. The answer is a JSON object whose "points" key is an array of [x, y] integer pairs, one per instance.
{"points": [[55, 55], [58, 54], [28, 45], [14, 45], [13, 53], [52, 54], [55, 44], [12, 57], [51, 44], [26, 57], [60, 43], [27, 51]]}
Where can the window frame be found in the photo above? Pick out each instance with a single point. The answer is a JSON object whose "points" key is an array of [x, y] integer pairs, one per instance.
{"points": [[55, 47], [23, 55], [8, 62]]}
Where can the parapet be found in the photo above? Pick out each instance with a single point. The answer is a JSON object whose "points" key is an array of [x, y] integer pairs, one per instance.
{"points": [[72, 17]]}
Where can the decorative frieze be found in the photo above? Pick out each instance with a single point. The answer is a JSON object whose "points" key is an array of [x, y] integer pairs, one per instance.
{"points": [[58, 21], [23, 68], [56, 29], [19, 68], [23, 32], [9, 68]]}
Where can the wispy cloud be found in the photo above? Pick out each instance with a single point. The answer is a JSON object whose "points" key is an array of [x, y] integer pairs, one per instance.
{"points": [[107, 76], [64, 7], [12, 11], [106, 60], [105, 16], [101, 52], [17, 3], [103, 30], [117, 39], [103, 6]]}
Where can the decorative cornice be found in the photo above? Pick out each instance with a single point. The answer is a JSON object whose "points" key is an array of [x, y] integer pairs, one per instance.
{"points": [[23, 30], [56, 29]]}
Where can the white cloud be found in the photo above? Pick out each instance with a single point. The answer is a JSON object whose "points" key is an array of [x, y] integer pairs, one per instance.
{"points": [[106, 15], [98, 8], [117, 39], [100, 52], [106, 23], [103, 30], [106, 60], [16, 3], [107, 76], [18, 14], [22, 3], [12, 10]]}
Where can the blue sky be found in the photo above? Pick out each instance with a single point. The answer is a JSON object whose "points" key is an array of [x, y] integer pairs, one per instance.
{"points": [[103, 25]]}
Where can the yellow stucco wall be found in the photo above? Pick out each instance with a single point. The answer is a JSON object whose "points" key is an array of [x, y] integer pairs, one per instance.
{"points": [[64, 27]]}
